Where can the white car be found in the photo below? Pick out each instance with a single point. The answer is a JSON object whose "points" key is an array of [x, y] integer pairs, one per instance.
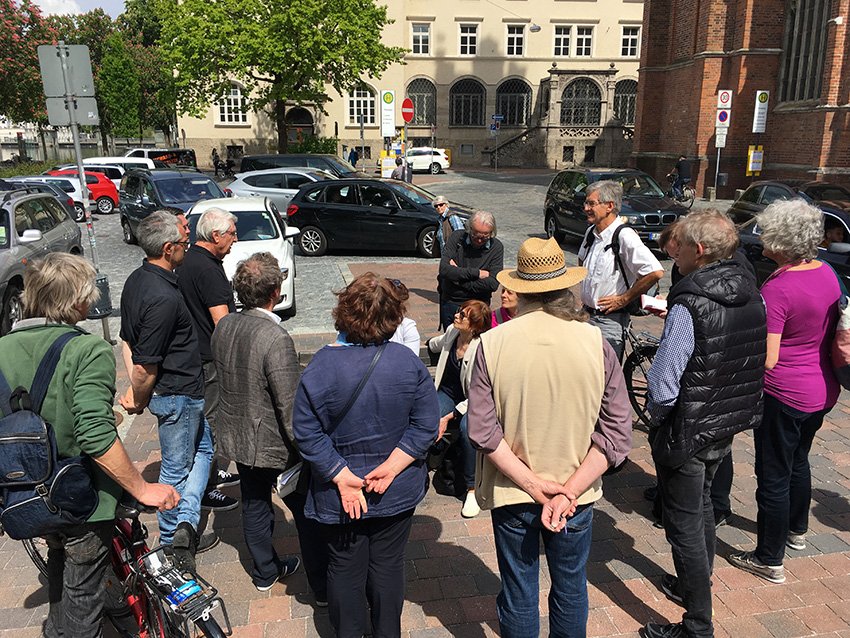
{"points": [[425, 158], [114, 173], [278, 184], [260, 228], [70, 185]]}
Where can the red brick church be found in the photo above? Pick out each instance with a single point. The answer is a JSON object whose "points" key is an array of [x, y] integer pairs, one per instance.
{"points": [[795, 49]]}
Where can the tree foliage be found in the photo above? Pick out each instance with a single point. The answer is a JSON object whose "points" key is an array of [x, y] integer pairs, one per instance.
{"points": [[140, 17], [118, 87], [277, 50], [22, 30]]}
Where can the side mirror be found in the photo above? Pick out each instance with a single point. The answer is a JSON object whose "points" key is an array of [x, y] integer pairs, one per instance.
{"points": [[291, 231], [145, 200], [30, 235]]}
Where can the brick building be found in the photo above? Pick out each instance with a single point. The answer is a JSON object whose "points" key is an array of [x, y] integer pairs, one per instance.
{"points": [[796, 49]]}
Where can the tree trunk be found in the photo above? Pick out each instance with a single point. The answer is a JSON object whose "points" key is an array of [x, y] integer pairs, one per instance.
{"points": [[280, 121], [43, 141], [104, 138]]}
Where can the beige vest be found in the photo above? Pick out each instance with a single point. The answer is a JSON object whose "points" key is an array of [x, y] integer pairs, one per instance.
{"points": [[548, 378]]}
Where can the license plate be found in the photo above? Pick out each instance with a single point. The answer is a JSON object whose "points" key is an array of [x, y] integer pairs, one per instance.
{"points": [[654, 236]]}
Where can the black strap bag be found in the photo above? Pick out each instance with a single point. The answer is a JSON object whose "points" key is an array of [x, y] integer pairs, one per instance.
{"points": [[40, 493], [633, 308]]}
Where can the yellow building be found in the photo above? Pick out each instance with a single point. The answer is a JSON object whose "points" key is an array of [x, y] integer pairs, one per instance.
{"points": [[561, 73]]}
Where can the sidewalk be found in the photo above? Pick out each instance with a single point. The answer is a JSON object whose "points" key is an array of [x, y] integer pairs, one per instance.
{"points": [[452, 576]]}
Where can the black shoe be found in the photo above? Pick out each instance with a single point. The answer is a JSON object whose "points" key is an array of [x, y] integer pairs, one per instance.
{"points": [[650, 493], [206, 542], [287, 567], [183, 547], [721, 518], [218, 502], [223, 478], [656, 630], [670, 587]]}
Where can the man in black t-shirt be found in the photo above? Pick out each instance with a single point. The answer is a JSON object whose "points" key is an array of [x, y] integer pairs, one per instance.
{"points": [[209, 297], [682, 172]]}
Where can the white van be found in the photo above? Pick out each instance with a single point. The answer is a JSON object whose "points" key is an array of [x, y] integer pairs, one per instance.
{"points": [[124, 162], [170, 156]]}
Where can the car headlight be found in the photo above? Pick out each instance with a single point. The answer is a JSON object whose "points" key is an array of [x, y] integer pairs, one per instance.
{"points": [[285, 273], [630, 219]]}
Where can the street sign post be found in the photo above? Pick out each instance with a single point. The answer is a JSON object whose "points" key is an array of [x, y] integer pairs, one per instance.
{"points": [[388, 114], [724, 116], [724, 99], [407, 110], [755, 160], [720, 138], [721, 126], [760, 112]]}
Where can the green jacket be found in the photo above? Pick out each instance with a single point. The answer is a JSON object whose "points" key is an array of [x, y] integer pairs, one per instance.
{"points": [[79, 400]]}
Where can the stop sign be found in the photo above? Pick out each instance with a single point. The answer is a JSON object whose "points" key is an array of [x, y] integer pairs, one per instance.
{"points": [[407, 110]]}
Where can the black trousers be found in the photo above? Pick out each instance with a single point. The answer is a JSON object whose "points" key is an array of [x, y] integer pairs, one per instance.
{"points": [[258, 514], [366, 567], [721, 487]]}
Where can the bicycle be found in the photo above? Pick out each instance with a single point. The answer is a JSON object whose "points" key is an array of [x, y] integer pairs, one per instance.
{"points": [[643, 347], [685, 195], [146, 596]]}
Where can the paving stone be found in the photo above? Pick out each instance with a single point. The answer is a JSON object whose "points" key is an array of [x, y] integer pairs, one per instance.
{"points": [[784, 624]]}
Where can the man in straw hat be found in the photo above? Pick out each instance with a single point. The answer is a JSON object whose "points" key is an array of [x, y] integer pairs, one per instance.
{"points": [[548, 408]]}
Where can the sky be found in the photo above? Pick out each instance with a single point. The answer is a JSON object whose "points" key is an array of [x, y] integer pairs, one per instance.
{"points": [[59, 7]]}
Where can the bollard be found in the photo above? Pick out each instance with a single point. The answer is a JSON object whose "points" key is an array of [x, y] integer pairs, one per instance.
{"points": [[102, 308]]}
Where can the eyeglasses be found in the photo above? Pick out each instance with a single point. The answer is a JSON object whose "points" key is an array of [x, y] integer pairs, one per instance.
{"points": [[462, 314], [591, 204], [476, 235], [440, 204], [185, 244], [232, 233], [395, 282]]}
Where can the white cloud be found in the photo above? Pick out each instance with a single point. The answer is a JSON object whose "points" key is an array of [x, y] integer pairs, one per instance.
{"points": [[59, 7]]}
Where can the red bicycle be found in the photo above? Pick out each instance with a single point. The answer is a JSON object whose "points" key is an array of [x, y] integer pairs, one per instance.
{"points": [[146, 596]]}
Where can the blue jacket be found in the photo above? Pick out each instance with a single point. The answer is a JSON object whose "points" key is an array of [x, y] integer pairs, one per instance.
{"points": [[397, 408]]}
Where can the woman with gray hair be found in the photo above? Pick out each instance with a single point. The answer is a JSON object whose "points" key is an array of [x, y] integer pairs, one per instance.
{"points": [[801, 297]]}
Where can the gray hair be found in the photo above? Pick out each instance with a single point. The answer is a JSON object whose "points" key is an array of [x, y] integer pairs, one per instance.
{"points": [[256, 279], [156, 230], [486, 218], [213, 220], [792, 228], [558, 303], [55, 284], [608, 191], [711, 229]]}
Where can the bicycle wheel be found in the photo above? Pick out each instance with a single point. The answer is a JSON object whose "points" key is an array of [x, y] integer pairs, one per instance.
{"points": [[688, 196], [210, 628], [36, 549], [634, 370], [160, 620]]}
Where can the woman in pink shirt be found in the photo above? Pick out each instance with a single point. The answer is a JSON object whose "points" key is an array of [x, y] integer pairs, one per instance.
{"points": [[801, 298], [508, 309]]}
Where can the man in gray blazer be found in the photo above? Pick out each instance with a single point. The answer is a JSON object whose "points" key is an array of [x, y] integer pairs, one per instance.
{"points": [[258, 370]]}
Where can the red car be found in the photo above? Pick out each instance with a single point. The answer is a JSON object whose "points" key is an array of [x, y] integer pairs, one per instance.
{"points": [[103, 191]]}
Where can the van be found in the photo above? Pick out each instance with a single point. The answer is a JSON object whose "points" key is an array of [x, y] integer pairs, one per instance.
{"points": [[171, 157], [124, 162]]}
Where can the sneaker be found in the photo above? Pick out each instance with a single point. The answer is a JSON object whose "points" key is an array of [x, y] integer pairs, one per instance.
{"points": [[657, 630], [206, 542], [183, 547], [796, 541], [223, 478], [288, 566], [321, 602], [749, 563], [670, 587], [217, 501], [470, 507]]}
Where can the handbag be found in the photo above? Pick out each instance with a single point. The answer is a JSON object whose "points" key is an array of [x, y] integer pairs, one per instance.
{"points": [[290, 479], [839, 350]]}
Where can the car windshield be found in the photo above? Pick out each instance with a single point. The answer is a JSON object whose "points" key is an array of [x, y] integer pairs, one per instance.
{"points": [[413, 193], [637, 185], [341, 165], [180, 190], [251, 225]]}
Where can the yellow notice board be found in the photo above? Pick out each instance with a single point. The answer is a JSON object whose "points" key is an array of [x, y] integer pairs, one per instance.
{"points": [[755, 160]]}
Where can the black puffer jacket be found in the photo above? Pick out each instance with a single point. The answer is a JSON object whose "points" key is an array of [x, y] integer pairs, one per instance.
{"points": [[721, 388]]}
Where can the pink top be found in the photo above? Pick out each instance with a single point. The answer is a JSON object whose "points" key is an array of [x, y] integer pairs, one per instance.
{"points": [[500, 315], [802, 307]]}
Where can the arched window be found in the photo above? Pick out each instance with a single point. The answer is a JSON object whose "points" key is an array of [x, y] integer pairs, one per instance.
{"points": [[513, 100], [625, 95], [361, 101], [466, 103], [423, 93], [581, 103], [233, 107]]}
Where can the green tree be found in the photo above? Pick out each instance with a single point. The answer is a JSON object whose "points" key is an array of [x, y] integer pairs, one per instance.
{"points": [[156, 87], [140, 18], [118, 87], [278, 50], [22, 30]]}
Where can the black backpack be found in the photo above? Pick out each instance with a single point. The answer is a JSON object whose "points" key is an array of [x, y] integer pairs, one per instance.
{"points": [[40, 493], [634, 308]]}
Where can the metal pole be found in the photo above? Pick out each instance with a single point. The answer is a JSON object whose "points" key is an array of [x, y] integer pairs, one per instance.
{"points": [[496, 153], [716, 171], [362, 143]]}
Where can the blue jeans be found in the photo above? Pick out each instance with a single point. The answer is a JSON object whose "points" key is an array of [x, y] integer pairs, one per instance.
{"points": [[467, 452], [517, 531], [187, 450]]}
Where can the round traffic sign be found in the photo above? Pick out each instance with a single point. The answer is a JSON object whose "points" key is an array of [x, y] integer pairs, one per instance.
{"points": [[407, 110], [722, 116], [725, 97]]}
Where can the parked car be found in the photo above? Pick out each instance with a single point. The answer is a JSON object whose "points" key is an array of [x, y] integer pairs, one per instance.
{"points": [[168, 156], [69, 185], [103, 192], [124, 162], [42, 187], [645, 206], [144, 191], [278, 184], [381, 214], [32, 224], [114, 173], [331, 163], [757, 197], [427, 159], [835, 253], [260, 228]]}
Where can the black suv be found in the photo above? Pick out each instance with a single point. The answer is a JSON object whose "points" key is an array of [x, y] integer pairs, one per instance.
{"points": [[645, 206], [330, 163], [32, 223], [759, 195], [144, 191]]}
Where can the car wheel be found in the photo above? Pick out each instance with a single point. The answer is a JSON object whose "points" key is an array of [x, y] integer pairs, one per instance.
{"points": [[79, 213], [129, 237], [426, 243], [435, 168], [552, 228], [312, 242], [12, 308], [105, 206]]}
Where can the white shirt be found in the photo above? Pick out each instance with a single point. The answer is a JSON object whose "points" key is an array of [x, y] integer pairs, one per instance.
{"points": [[603, 277], [271, 315], [407, 335]]}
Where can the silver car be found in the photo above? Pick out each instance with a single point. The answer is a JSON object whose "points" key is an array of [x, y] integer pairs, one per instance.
{"points": [[278, 184], [31, 225]]}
